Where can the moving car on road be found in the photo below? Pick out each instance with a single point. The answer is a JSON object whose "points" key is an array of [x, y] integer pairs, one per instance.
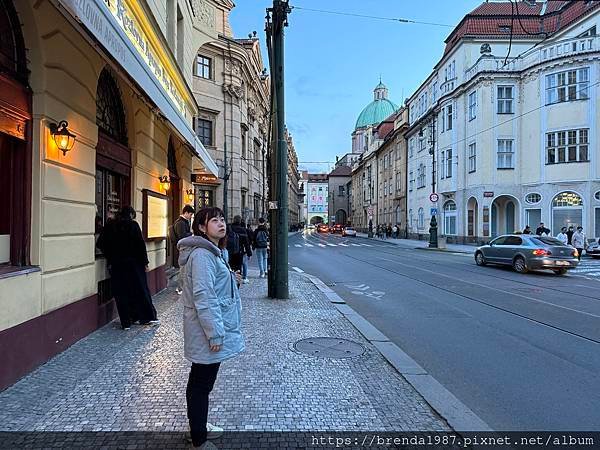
{"points": [[322, 228], [526, 252], [311, 227], [337, 228], [349, 231], [593, 249]]}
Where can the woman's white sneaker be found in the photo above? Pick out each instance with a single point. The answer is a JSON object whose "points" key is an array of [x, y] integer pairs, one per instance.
{"points": [[214, 432]]}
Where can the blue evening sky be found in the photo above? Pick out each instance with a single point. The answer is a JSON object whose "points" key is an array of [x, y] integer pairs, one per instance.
{"points": [[333, 62]]}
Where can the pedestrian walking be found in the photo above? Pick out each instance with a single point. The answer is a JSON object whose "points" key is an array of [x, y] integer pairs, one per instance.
{"points": [[246, 255], [260, 244], [527, 230], [395, 232], [180, 229], [570, 233], [237, 244], [562, 236], [123, 246], [579, 241], [389, 230], [211, 316], [542, 230]]}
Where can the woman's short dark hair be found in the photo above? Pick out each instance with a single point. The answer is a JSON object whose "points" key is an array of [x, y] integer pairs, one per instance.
{"points": [[202, 217]]}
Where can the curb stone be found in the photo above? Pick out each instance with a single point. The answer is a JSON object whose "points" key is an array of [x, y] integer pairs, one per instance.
{"points": [[459, 416]]}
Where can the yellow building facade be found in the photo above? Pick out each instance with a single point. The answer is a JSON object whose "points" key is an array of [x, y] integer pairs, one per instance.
{"points": [[117, 74]]}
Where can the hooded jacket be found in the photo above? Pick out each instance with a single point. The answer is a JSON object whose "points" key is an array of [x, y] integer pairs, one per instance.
{"points": [[211, 302]]}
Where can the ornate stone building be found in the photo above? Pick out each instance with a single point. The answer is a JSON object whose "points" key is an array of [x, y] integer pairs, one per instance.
{"points": [[233, 93], [293, 183]]}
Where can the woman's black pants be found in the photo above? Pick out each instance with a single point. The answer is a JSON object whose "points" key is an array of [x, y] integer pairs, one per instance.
{"points": [[200, 384]]}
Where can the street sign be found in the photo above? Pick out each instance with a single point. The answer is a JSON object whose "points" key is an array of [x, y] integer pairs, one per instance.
{"points": [[433, 212], [433, 197], [272, 205], [370, 210], [488, 194]]}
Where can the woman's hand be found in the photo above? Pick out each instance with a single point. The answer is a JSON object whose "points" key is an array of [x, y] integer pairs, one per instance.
{"points": [[216, 348], [238, 277]]}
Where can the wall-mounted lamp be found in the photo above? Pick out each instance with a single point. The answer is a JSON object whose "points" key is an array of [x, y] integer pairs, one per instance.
{"points": [[63, 138], [190, 195], [165, 182]]}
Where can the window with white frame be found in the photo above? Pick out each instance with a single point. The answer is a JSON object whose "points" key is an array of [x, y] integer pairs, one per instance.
{"points": [[472, 105], [204, 67], [505, 99], [449, 117], [385, 188], [472, 157], [567, 146], [443, 164], [449, 163], [421, 218], [421, 177], [450, 218], [391, 185], [422, 142], [567, 86], [411, 180], [411, 147], [505, 154]]}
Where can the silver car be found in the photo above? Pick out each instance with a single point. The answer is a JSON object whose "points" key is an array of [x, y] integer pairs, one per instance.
{"points": [[526, 252]]}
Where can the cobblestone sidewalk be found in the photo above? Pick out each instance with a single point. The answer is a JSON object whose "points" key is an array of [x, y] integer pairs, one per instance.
{"points": [[121, 381]]}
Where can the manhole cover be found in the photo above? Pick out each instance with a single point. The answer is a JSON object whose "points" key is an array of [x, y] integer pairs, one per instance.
{"points": [[329, 347]]}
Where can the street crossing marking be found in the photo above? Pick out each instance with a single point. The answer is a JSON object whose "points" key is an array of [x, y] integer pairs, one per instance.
{"points": [[308, 245], [344, 245], [297, 245], [298, 269], [332, 245], [321, 245], [355, 245]]}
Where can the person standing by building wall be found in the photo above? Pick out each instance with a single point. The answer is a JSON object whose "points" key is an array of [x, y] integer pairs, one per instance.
{"points": [[212, 314], [123, 246]]}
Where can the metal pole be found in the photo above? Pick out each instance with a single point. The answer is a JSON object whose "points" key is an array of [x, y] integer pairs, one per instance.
{"points": [[280, 256], [433, 228]]}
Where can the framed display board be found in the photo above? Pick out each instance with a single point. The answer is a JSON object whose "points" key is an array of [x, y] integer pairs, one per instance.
{"points": [[156, 215]]}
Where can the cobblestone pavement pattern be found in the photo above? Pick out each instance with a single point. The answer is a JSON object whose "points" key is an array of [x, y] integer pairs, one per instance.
{"points": [[135, 380]]}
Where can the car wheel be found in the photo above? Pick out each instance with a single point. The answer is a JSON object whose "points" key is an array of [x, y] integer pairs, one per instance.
{"points": [[519, 265], [480, 259], [560, 271]]}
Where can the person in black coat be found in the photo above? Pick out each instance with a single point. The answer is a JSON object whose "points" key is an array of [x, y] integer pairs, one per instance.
{"points": [[181, 229], [123, 246], [236, 257]]}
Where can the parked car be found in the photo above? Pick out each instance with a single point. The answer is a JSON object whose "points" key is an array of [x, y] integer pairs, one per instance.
{"points": [[593, 249], [349, 231], [311, 227], [337, 228], [526, 252], [322, 228]]}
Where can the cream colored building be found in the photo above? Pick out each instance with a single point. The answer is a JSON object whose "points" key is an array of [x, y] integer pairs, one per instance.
{"points": [[293, 183], [233, 93], [515, 138], [119, 73], [379, 176]]}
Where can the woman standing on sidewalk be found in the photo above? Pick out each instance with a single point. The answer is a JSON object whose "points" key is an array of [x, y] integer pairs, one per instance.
{"points": [[211, 316]]}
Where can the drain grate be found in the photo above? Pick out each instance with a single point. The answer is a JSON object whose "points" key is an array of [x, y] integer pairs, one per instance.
{"points": [[329, 347]]}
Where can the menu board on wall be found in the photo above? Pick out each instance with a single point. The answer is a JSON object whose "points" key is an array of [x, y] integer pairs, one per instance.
{"points": [[155, 215]]}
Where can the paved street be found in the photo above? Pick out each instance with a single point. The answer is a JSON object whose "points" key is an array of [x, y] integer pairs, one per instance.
{"points": [[522, 351], [116, 381]]}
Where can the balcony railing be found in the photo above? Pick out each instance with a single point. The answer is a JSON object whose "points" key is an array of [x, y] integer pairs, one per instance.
{"points": [[544, 53]]}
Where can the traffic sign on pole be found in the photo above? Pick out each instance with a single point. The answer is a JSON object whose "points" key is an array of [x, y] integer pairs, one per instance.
{"points": [[433, 197], [433, 212]]}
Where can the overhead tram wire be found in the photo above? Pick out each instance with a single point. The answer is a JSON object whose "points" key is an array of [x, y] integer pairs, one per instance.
{"points": [[366, 16]]}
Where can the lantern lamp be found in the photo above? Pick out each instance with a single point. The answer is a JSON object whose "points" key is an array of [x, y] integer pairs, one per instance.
{"points": [[63, 138], [165, 182]]}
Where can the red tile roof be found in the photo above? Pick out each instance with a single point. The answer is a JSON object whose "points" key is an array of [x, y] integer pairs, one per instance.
{"points": [[341, 171], [488, 19]]}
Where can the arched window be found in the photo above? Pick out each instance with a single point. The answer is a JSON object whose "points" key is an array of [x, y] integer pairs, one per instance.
{"points": [[421, 219], [12, 46], [567, 210], [113, 158], [450, 218], [110, 114]]}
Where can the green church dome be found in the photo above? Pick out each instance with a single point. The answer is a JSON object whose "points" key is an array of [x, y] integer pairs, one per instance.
{"points": [[378, 110]]}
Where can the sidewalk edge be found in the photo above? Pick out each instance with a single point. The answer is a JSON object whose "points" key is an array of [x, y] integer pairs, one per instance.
{"points": [[458, 415]]}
